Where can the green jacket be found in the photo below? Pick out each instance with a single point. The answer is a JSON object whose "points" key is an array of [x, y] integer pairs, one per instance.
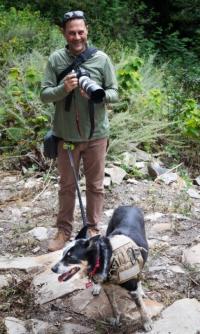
{"points": [[65, 122]]}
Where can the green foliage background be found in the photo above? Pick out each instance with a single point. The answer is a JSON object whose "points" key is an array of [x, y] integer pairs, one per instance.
{"points": [[155, 48]]}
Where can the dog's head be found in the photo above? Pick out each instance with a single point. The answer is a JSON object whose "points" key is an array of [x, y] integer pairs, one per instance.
{"points": [[79, 255]]}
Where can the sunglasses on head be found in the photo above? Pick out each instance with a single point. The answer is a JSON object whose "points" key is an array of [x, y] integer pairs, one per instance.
{"points": [[73, 15]]}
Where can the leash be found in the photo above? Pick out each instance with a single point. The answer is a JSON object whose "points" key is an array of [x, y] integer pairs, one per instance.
{"points": [[69, 147]]}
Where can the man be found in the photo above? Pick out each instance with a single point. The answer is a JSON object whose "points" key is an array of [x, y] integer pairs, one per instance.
{"points": [[72, 124]]}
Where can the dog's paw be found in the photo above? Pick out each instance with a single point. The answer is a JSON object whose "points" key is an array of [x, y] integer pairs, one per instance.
{"points": [[115, 322], [148, 325], [96, 289], [99, 278]]}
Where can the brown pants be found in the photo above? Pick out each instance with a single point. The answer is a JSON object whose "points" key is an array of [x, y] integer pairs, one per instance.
{"points": [[93, 154]]}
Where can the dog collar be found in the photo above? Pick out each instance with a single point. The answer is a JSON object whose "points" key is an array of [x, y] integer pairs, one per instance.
{"points": [[92, 273], [126, 260]]}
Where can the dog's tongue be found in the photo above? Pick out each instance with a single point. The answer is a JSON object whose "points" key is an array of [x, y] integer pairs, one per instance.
{"points": [[62, 277], [68, 274]]}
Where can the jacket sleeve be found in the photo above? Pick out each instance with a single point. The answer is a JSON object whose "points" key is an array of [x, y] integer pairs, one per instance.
{"points": [[50, 91], [110, 82]]}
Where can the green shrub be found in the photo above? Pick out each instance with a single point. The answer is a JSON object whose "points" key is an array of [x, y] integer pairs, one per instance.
{"points": [[141, 117], [189, 119], [23, 118], [21, 31]]}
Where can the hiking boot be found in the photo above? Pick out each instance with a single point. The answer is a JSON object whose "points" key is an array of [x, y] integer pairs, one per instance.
{"points": [[59, 241], [92, 231]]}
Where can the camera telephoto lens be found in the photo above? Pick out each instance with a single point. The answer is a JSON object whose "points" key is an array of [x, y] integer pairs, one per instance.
{"points": [[92, 89]]}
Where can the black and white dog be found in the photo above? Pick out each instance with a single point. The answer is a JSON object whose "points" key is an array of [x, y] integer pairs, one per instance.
{"points": [[117, 257]]}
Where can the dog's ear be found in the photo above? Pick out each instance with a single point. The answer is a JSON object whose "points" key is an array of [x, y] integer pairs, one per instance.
{"points": [[92, 242], [82, 234]]}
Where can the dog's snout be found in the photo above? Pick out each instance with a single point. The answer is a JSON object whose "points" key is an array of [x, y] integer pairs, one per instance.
{"points": [[55, 268]]}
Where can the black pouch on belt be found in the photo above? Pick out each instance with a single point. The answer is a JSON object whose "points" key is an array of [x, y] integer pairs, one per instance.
{"points": [[50, 145]]}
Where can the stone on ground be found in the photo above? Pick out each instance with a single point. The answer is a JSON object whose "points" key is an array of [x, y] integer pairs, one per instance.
{"points": [[29, 264], [191, 256], [182, 317], [47, 287]]}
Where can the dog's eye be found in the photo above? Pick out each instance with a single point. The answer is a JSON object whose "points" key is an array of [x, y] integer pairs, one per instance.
{"points": [[68, 254]]}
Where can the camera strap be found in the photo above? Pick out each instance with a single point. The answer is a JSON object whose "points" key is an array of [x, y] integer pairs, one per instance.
{"points": [[85, 55], [91, 115]]}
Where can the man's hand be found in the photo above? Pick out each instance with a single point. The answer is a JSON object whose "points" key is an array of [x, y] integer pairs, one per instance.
{"points": [[84, 94], [70, 82]]}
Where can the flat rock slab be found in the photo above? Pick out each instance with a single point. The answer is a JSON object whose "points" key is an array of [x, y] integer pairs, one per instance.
{"points": [[34, 326], [94, 307], [15, 326], [47, 287], [182, 317], [191, 256], [30, 264], [99, 307]]}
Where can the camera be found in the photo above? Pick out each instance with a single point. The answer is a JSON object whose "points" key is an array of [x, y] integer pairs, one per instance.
{"points": [[90, 87]]}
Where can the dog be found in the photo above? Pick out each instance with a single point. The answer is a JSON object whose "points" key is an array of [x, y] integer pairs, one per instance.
{"points": [[118, 257]]}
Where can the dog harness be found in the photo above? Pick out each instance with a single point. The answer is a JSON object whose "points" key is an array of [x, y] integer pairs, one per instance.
{"points": [[126, 260]]}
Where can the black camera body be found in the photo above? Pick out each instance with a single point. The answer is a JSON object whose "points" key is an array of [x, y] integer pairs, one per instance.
{"points": [[90, 87]]}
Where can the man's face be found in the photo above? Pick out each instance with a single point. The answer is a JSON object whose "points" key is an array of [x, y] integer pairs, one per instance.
{"points": [[75, 33]]}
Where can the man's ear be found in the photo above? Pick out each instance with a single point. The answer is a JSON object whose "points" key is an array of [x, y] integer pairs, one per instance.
{"points": [[82, 234]]}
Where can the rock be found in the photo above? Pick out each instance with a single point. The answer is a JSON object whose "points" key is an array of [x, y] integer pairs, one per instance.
{"points": [[142, 156], [36, 249], [94, 307], [197, 181], [98, 307], [179, 216], [161, 227], [116, 173], [168, 178], [33, 183], [181, 317], [128, 159], [4, 281], [33, 326], [15, 326], [191, 255], [47, 287], [154, 169], [39, 233], [154, 243], [158, 268], [109, 213], [176, 269], [107, 182], [29, 263], [193, 193], [154, 216], [75, 329], [140, 165], [132, 181], [16, 214]]}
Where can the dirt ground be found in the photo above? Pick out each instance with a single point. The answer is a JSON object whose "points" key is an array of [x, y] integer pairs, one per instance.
{"points": [[27, 201]]}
